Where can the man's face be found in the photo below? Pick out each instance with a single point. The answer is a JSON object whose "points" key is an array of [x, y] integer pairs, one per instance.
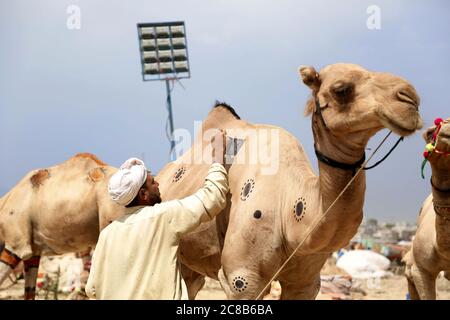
{"points": [[153, 196]]}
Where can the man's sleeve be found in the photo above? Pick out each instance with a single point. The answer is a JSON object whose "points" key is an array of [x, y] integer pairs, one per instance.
{"points": [[185, 215]]}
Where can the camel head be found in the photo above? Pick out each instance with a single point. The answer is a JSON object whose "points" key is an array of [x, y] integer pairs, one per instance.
{"points": [[356, 103], [437, 138]]}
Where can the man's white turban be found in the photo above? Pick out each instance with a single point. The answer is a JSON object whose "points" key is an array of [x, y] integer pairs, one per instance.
{"points": [[124, 185]]}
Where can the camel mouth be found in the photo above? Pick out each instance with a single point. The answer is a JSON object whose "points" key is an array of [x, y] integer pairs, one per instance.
{"points": [[404, 127]]}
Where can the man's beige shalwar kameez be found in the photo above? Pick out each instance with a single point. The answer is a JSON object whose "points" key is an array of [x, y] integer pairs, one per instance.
{"points": [[136, 255]]}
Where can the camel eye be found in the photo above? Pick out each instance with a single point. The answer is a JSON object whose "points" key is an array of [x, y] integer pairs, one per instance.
{"points": [[343, 91]]}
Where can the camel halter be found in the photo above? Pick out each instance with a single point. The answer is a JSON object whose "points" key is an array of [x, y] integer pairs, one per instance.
{"points": [[346, 166], [316, 224], [430, 148]]}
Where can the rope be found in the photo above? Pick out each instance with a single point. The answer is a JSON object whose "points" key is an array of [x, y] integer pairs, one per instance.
{"points": [[314, 227], [387, 155]]}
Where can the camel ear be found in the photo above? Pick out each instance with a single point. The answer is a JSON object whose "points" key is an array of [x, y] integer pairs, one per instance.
{"points": [[428, 134], [310, 77]]}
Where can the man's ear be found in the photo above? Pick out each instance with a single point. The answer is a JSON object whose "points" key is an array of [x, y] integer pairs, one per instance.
{"points": [[143, 194], [310, 77], [428, 134]]}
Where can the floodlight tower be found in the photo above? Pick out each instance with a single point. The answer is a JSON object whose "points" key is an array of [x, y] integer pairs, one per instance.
{"points": [[164, 56]]}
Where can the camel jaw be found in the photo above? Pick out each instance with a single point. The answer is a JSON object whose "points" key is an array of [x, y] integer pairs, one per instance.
{"points": [[399, 128]]}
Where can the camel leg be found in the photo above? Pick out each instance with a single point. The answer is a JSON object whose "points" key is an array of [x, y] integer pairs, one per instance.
{"points": [[8, 261], [447, 275], [31, 267], [224, 283], [413, 294], [295, 291], [194, 281], [425, 283]]}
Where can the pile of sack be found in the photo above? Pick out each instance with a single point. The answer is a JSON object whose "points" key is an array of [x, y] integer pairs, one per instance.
{"points": [[364, 264]]}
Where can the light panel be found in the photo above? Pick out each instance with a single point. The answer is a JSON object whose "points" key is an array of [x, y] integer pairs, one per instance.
{"points": [[163, 50]]}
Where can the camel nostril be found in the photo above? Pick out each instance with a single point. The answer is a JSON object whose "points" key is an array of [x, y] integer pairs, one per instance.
{"points": [[408, 97]]}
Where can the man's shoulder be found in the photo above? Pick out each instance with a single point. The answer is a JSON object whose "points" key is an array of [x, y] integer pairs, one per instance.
{"points": [[150, 212], [129, 212]]}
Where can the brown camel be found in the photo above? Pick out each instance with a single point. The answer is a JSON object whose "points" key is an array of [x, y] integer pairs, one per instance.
{"points": [[274, 202], [53, 211], [430, 251]]}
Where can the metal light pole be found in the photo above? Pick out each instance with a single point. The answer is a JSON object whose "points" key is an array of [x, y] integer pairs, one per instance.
{"points": [[164, 56], [169, 107]]}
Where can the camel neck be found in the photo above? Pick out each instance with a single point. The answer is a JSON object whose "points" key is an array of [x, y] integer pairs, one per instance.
{"points": [[343, 219], [440, 182]]}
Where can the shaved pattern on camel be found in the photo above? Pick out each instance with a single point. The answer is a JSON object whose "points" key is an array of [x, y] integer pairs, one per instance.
{"points": [[38, 178], [97, 174]]}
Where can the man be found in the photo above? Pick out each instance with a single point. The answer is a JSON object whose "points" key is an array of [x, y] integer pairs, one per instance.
{"points": [[136, 255]]}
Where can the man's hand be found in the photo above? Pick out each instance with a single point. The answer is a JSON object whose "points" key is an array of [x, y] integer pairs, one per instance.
{"points": [[218, 143]]}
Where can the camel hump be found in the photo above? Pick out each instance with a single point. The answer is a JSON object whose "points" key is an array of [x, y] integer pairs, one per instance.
{"points": [[227, 107], [91, 156], [221, 115]]}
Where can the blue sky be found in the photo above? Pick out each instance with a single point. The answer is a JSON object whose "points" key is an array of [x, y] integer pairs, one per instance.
{"points": [[67, 91]]}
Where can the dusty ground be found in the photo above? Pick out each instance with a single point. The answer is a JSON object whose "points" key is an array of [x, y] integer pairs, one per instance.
{"points": [[392, 288]]}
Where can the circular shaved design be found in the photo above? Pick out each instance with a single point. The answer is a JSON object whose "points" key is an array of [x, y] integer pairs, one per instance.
{"points": [[179, 174], [299, 209], [247, 189], [239, 283]]}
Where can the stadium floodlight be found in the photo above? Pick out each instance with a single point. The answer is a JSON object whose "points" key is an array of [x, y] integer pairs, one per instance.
{"points": [[164, 56]]}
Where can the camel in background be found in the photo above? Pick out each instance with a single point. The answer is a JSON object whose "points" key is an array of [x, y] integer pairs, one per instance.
{"points": [[53, 211], [430, 251]]}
